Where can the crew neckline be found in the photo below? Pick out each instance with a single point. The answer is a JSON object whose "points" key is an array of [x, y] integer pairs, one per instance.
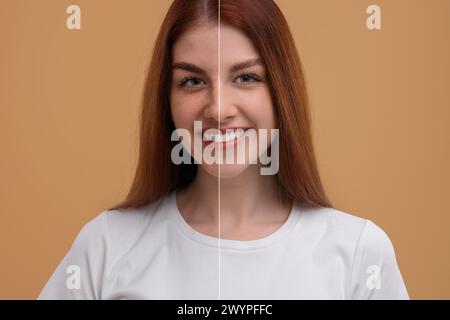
{"points": [[281, 233]]}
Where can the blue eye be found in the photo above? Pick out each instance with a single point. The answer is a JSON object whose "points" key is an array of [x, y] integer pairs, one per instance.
{"points": [[190, 82], [248, 78]]}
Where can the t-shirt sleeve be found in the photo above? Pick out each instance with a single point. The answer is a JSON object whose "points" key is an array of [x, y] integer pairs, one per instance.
{"points": [[80, 273], [375, 272]]}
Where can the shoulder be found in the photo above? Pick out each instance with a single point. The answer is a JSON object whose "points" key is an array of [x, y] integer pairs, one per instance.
{"points": [[119, 228], [95, 250], [343, 228], [332, 223], [362, 246]]}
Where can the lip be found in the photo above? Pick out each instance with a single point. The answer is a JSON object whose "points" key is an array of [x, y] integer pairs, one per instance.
{"points": [[222, 131]]}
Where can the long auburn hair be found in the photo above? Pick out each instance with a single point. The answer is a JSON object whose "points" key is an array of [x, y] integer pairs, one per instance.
{"points": [[264, 24]]}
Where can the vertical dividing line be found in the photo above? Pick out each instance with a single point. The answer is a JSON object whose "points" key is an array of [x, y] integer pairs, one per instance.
{"points": [[220, 147]]}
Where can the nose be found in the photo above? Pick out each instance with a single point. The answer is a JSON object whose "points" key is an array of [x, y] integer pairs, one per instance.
{"points": [[219, 109]]}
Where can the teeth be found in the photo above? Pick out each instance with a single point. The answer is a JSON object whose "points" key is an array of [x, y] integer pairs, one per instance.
{"points": [[223, 137]]}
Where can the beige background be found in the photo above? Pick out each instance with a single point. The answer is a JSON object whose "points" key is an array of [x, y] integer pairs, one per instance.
{"points": [[69, 105]]}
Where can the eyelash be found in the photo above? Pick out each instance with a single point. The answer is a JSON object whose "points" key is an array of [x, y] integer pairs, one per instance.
{"points": [[253, 76]]}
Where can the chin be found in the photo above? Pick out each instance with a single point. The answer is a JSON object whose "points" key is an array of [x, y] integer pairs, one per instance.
{"points": [[226, 170]]}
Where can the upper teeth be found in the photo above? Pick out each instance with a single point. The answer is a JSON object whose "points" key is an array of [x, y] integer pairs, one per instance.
{"points": [[218, 137]]}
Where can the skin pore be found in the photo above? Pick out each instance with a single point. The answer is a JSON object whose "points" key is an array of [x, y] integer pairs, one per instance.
{"points": [[251, 204]]}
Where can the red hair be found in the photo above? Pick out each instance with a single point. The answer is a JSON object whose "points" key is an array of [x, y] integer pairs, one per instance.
{"points": [[264, 24]]}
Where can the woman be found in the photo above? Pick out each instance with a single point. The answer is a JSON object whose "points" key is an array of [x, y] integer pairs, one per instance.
{"points": [[225, 230]]}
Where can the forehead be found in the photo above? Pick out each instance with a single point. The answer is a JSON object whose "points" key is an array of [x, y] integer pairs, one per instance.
{"points": [[200, 46]]}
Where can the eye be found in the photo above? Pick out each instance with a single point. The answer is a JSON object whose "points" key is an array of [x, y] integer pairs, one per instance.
{"points": [[247, 78], [191, 82]]}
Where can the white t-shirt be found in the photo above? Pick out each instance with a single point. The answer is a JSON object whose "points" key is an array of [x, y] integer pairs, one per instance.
{"points": [[153, 253]]}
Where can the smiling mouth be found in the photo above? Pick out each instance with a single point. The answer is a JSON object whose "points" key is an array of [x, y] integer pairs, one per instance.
{"points": [[224, 135]]}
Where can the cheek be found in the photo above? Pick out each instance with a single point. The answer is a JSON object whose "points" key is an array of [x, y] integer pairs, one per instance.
{"points": [[257, 105], [185, 109]]}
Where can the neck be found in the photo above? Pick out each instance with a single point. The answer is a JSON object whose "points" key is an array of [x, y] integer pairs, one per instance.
{"points": [[245, 199]]}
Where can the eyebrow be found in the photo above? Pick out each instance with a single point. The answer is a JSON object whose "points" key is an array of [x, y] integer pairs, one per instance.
{"points": [[239, 66], [246, 64], [188, 67]]}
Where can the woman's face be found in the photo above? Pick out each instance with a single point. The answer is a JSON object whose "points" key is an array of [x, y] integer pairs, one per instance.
{"points": [[229, 91]]}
